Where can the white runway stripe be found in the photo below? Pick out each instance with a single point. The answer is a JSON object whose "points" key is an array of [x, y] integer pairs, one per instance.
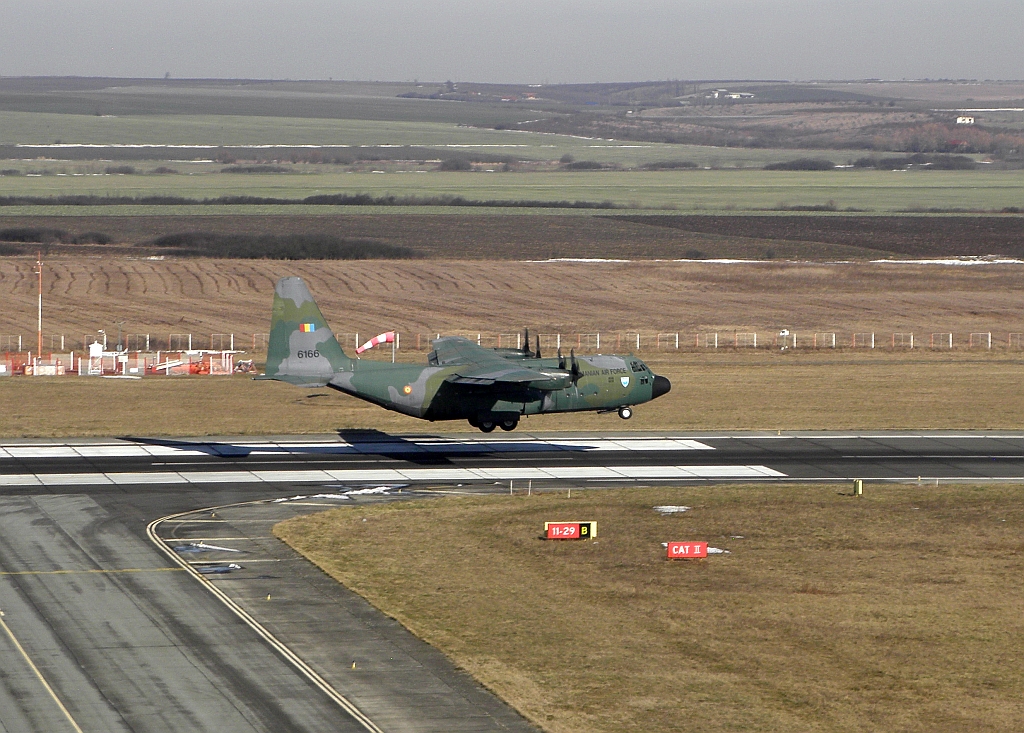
{"points": [[73, 479], [173, 449], [391, 475]]}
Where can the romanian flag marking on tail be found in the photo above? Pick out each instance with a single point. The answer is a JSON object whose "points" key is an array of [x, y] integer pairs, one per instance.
{"points": [[307, 327]]}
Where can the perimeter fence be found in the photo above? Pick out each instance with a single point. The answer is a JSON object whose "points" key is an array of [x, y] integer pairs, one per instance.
{"points": [[550, 341]]}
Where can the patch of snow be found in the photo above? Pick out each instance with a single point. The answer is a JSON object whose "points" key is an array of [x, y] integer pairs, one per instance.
{"points": [[344, 496], [727, 261], [202, 547], [376, 490], [576, 259], [955, 261], [671, 509], [310, 496]]}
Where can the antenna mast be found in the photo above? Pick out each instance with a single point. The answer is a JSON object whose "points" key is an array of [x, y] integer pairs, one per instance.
{"points": [[39, 318]]}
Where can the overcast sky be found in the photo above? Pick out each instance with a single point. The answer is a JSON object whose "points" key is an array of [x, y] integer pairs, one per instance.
{"points": [[529, 41]]}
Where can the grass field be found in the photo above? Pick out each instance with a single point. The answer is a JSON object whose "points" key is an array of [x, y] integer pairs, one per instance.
{"points": [[26, 128], [694, 190], [895, 611], [717, 392], [472, 135]]}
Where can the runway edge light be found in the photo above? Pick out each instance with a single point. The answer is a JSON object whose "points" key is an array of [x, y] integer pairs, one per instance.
{"points": [[687, 550], [570, 530]]}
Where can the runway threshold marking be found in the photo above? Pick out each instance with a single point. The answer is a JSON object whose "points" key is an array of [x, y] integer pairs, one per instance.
{"points": [[308, 672], [39, 675], [406, 446]]}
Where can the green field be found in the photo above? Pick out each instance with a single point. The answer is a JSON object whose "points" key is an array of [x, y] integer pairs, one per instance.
{"points": [[33, 128], [443, 128], [127, 98], [700, 190]]}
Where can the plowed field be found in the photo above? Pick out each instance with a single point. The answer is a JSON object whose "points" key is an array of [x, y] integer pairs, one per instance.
{"points": [[203, 296]]}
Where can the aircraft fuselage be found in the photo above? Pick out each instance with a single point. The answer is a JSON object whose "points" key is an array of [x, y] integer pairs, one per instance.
{"points": [[604, 383]]}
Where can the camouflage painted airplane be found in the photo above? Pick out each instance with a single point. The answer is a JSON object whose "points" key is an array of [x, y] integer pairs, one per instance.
{"points": [[462, 381]]}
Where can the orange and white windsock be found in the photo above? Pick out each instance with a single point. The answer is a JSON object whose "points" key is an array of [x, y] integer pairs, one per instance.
{"points": [[384, 338]]}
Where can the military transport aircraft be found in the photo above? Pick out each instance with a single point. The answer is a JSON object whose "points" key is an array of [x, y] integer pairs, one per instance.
{"points": [[462, 381]]}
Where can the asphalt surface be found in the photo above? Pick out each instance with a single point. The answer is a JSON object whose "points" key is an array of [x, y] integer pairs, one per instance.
{"points": [[125, 641], [377, 457], [102, 630], [393, 678]]}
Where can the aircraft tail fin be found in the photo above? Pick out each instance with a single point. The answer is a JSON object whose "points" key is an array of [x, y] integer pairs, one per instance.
{"points": [[302, 348]]}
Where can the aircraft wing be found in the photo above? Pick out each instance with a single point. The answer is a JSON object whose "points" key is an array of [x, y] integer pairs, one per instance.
{"points": [[480, 366], [449, 350]]}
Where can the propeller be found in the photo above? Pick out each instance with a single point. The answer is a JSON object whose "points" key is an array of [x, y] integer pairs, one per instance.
{"points": [[574, 367], [526, 341], [537, 353], [561, 359]]}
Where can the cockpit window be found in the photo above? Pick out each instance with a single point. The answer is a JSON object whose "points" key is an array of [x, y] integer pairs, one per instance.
{"points": [[636, 366]]}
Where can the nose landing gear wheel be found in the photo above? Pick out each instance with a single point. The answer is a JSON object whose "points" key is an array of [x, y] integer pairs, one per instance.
{"points": [[486, 426], [509, 424], [625, 412]]}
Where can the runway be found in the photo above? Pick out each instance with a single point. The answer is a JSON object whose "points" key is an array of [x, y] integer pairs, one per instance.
{"points": [[106, 626], [361, 458]]}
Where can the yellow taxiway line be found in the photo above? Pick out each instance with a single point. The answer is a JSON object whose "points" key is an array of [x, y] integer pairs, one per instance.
{"points": [[38, 674]]}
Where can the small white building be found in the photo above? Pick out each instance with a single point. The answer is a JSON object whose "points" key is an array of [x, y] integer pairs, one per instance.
{"points": [[965, 120]]}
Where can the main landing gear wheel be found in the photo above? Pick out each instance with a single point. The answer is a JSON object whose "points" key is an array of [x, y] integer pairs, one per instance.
{"points": [[510, 424], [486, 425], [625, 412]]}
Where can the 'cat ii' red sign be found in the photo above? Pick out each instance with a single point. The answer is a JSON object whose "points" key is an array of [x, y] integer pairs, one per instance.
{"points": [[687, 550]]}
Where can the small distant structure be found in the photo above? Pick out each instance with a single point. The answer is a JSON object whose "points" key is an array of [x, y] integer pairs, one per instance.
{"points": [[964, 120], [726, 94]]}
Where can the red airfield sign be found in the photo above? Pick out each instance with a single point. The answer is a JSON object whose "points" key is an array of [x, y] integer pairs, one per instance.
{"points": [[687, 550]]}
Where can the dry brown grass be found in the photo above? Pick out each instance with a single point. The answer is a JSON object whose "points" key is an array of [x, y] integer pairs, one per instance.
{"points": [[897, 611], [709, 392], [82, 294]]}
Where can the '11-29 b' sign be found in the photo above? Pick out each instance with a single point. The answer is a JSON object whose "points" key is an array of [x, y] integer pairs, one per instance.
{"points": [[570, 530]]}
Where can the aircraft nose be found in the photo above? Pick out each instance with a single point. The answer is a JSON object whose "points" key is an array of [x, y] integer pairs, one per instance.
{"points": [[661, 386]]}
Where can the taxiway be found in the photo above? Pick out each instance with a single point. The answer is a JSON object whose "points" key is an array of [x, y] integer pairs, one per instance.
{"points": [[115, 619]]}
